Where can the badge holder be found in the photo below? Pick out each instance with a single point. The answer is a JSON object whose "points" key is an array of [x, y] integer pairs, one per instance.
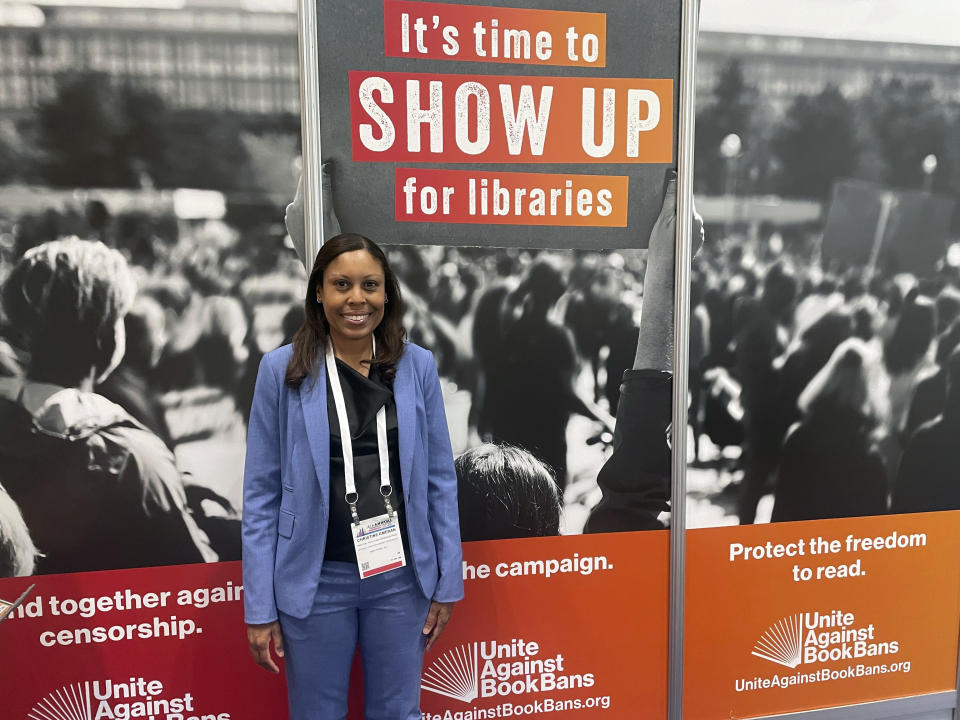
{"points": [[376, 540]]}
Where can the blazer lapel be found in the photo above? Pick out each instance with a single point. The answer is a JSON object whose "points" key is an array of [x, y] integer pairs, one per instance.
{"points": [[404, 394], [313, 401]]}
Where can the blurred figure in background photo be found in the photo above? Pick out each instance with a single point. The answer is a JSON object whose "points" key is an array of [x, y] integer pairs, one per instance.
{"points": [[929, 475], [132, 385], [760, 337], [17, 553], [831, 465], [96, 488], [538, 356]]}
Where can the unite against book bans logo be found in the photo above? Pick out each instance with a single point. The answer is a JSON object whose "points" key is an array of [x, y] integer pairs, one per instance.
{"points": [[492, 669], [110, 700], [820, 637]]}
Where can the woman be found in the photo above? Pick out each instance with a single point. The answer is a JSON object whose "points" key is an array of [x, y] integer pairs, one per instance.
{"points": [[830, 465], [349, 374]]}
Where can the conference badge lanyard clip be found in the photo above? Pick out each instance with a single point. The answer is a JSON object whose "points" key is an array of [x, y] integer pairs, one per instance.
{"points": [[377, 539]]}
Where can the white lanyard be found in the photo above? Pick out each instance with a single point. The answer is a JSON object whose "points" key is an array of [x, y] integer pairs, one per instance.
{"points": [[346, 443]]}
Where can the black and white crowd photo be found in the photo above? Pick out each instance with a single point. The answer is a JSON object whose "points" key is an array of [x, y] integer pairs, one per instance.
{"points": [[148, 155], [824, 362]]}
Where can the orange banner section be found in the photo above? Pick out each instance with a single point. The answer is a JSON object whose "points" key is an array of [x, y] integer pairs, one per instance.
{"points": [[479, 33], [795, 616], [421, 117], [563, 627], [466, 196]]}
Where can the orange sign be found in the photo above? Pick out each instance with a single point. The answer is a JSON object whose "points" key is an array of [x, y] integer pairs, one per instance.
{"points": [[478, 33], [562, 627], [796, 616], [509, 198], [444, 118]]}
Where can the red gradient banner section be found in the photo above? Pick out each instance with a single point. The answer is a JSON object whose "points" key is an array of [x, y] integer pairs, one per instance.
{"points": [[508, 198], [479, 33], [425, 117], [543, 631], [163, 642]]}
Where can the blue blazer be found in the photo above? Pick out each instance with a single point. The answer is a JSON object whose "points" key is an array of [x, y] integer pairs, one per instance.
{"points": [[286, 486]]}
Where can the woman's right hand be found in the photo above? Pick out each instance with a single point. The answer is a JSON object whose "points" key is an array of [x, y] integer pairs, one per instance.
{"points": [[260, 638]]}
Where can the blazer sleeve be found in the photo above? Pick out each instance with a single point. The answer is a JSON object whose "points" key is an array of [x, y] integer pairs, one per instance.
{"points": [[261, 497], [442, 512]]}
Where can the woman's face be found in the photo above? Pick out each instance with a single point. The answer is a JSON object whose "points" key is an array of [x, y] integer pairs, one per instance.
{"points": [[353, 294]]}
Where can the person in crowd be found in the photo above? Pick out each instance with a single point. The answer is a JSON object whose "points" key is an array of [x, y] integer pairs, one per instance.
{"points": [[816, 345], [97, 489], [907, 357], [594, 295], [221, 349], [131, 385], [601, 319], [760, 337], [635, 481], [538, 354], [929, 473], [948, 307], [831, 465], [17, 552], [697, 352], [505, 492], [292, 320], [930, 390], [9, 362], [906, 354], [348, 433], [489, 348]]}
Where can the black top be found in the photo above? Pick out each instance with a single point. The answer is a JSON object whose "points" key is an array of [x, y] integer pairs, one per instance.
{"points": [[830, 467], [363, 397], [635, 479], [929, 476]]}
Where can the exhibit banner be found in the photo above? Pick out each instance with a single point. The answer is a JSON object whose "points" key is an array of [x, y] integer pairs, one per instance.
{"points": [[555, 627], [483, 146], [502, 137], [161, 643], [443, 118], [803, 615], [168, 643], [825, 407]]}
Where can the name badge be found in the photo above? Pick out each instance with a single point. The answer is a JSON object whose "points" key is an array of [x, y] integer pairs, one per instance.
{"points": [[378, 544]]}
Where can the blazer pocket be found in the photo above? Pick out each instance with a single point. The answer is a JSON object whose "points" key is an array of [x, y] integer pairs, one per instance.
{"points": [[285, 525]]}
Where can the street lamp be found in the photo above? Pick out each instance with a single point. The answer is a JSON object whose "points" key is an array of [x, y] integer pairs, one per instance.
{"points": [[730, 148], [929, 167]]}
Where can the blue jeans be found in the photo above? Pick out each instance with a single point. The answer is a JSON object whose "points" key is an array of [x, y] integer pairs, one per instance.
{"points": [[385, 615]]}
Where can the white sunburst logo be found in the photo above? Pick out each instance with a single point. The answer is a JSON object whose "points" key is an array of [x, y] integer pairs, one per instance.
{"points": [[71, 702], [782, 643], [454, 674]]}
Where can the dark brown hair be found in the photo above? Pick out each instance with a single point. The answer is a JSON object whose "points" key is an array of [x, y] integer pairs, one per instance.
{"points": [[505, 492], [310, 340]]}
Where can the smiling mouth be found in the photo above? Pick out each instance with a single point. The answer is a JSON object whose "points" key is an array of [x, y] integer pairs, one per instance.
{"points": [[357, 318]]}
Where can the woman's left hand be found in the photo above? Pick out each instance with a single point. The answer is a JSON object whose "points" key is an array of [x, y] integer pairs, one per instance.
{"points": [[437, 620]]}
